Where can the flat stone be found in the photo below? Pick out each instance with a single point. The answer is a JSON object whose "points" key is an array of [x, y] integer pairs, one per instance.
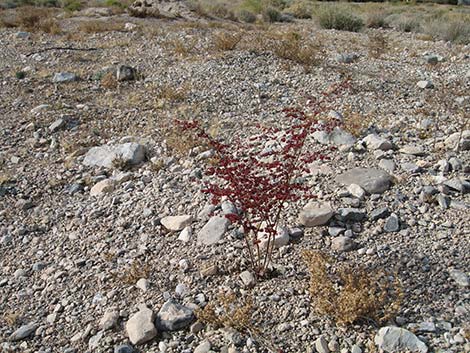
{"points": [[248, 279], [346, 58], [392, 339], [105, 156], [339, 137], [24, 332], [203, 347], [173, 316], [321, 345], [124, 348], [374, 181], [213, 230], [379, 213], [186, 234], [413, 150], [460, 139], [281, 238], [425, 84], [109, 320], [140, 327], [375, 142], [387, 164], [351, 214], [103, 187], [315, 214], [57, 125], [343, 244], [460, 278], [392, 224], [64, 77], [176, 223]]}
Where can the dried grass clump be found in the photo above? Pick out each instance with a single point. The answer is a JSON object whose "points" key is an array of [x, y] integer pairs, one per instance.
{"points": [[351, 294], [377, 19], [171, 93], [109, 80], [180, 141], [97, 26], [136, 271], [33, 19], [181, 47], [12, 318], [300, 9], [228, 311], [304, 52], [225, 41], [377, 45], [356, 123], [457, 31], [336, 17]]}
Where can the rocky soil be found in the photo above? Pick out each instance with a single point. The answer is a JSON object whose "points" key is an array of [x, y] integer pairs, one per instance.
{"points": [[108, 244]]}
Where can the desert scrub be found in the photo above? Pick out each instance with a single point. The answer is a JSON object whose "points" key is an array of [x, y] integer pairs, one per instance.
{"points": [[336, 17], [453, 30], [377, 45], [228, 311], [300, 9], [351, 293], [246, 16], [97, 26], [292, 46], [225, 41], [377, 19], [34, 19]]}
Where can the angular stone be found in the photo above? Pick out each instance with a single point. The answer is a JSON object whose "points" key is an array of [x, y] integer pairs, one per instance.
{"points": [[374, 181], [387, 164], [375, 142], [104, 156], [109, 320], [64, 77], [24, 332], [351, 214], [413, 150], [248, 279], [140, 327], [343, 244], [392, 224], [357, 191], [125, 73], [186, 234], [339, 137], [379, 213], [321, 345], [173, 316], [392, 339], [103, 187], [460, 278], [315, 214], [124, 348], [57, 125], [213, 230], [460, 139], [425, 84], [176, 223]]}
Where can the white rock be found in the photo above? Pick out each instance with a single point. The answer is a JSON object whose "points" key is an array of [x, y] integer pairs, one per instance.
{"points": [[248, 279], [375, 142], [143, 284], [140, 327], [213, 230], [109, 319], [357, 191], [425, 84], [186, 234], [315, 214], [104, 156], [343, 244], [103, 187], [281, 238], [176, 223], [392, 339]]}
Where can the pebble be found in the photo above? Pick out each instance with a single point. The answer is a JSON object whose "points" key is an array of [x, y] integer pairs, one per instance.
{"points": [[213, 230]]}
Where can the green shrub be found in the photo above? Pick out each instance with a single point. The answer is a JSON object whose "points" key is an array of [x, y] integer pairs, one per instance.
{"points": [[114, 3], [333, 17], [20, 75], [377, 19], [72, 5], [271, 15], [300, 10], [255, 6], [408, 24], [246, 16]]}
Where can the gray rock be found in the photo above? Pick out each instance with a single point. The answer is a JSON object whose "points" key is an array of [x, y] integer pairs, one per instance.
{"points": [[321, 345], [460, 278], [176, 223], [357, 191], [57, 125], [281, 238], [458, 185], [387, 164], [374, 181], [173, 316], [64, 77], [140, 327], [248, 279], [124, 348], [410, 167], [94, 341], [186, 234], [392, 339], [109, 319], [315, 214], [321, 137], [203, 347], [351, 214], [346, 58], [453, 140], [375, 142], [213, 230], [228, 208], [24, 332], [443, 201], [379, 213], [104, 156], [157, 8], [425, 84], [339, 137], [392, 224], [343, 244], [413, 150], [125, 73], [103, 187]]}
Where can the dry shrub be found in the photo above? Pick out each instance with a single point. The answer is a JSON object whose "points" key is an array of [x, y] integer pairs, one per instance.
{"points": [[12, 318], [109, 80], [377, 19], [171, 93], [304, 52], [337, 17], [225, 41], [351, 294], [136, 271], [97, 26], [181, 47], [356, 123], [33, 19], [377, 45], [228, 311], [457, 31], [180, 141], [301, 9]]}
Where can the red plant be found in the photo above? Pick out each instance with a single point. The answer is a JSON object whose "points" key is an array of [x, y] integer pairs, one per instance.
{"points": [[261, 176]]}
